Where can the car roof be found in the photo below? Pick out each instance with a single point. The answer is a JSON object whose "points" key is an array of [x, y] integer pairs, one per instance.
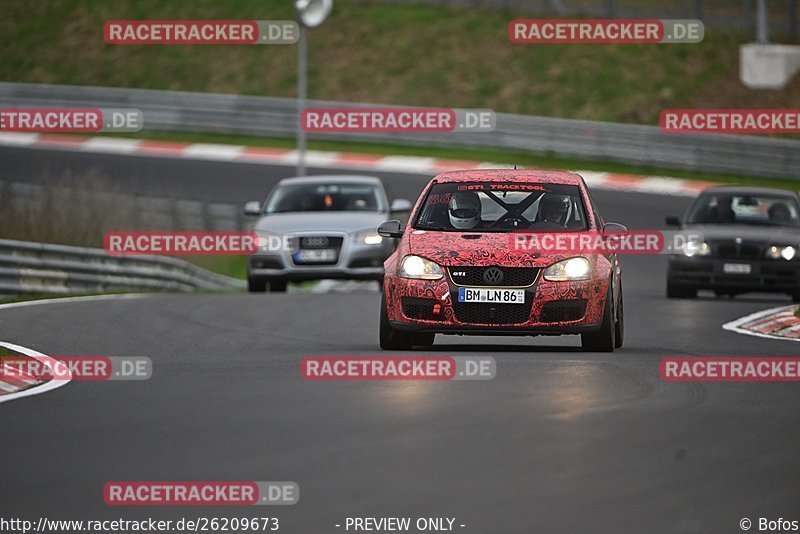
{"points": [[328, 178], [747, 190], [511, 175]]}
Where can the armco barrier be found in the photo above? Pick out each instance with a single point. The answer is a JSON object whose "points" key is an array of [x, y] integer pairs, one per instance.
{"points": [[27, 267], [277, 117]]}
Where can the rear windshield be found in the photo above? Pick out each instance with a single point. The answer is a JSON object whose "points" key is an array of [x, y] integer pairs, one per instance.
{"points": [[502, 207]]}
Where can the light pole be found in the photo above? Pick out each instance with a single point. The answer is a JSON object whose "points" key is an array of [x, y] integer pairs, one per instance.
{"points": [[310, 14], [762, 24]]}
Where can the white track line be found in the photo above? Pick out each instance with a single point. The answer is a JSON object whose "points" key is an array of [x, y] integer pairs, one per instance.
{"points": [[47, 386], [110, 145], [735, 326], [659, 185], [47, 360], [56, 300], [18, 139], [213, 151]]}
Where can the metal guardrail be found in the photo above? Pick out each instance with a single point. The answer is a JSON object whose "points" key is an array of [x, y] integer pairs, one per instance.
{"points": [[27, 267], [277, 117]]}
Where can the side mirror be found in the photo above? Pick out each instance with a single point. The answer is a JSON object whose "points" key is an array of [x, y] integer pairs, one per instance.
{"points": [[391, 229], [252, 208], [400, 205], [615, 228], [673, 220]]}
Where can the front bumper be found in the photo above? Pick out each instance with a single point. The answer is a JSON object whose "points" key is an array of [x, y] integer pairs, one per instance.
{"points": [[354, 261], [769, 276], [551, 308]]}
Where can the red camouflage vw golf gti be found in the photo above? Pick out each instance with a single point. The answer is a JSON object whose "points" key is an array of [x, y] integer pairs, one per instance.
{"points": [[456, 269]]}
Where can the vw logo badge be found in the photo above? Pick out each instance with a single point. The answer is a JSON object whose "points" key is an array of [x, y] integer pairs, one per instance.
{"points": [[493, 275]]}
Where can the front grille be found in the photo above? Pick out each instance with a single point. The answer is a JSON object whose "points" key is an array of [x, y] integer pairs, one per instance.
{"points": [[489, 313], [512, 276], [321, 241], [317, 242], [416, 308], [732, 250], [559, 311]]}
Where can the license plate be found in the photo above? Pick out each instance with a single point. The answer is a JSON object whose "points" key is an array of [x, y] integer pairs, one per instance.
{"points": [[489, 295], [311, 256], [737, 268]]}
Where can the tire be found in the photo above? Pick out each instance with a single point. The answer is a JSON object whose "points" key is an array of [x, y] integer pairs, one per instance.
{"points": [[277, 286], [391, 339], [604, 340], [619, 326], [256, 285], [677, 291]]}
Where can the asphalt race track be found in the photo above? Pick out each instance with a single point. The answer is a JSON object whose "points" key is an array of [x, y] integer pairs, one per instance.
{"points": [[560, 441]]}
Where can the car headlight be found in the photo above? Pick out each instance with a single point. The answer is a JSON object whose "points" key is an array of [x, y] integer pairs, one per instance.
{"points": [[419, 268], [269, 241], [369, 238], [776, 252], [692, 248], [568, 270]]}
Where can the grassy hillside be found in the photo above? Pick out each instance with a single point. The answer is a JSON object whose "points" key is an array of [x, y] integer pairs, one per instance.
{"points": [[372, 52]]}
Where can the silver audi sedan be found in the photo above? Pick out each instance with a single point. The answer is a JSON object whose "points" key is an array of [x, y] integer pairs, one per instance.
{"points": [[321, 227]]}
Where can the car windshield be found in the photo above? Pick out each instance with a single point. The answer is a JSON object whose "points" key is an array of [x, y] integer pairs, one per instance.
{"points": [[737, 208], [502, 207], [326, 197]]}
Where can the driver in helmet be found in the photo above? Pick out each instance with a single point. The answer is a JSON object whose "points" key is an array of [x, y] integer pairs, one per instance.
{"points": [[553, 209], [464, 210]]}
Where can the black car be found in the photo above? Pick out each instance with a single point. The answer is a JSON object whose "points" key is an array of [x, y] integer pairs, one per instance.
{"points": [[750, 242]]}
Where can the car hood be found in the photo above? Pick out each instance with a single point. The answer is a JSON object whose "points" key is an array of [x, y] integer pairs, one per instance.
{"points": [[767, 234], [494, 248], [343, 221]]}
